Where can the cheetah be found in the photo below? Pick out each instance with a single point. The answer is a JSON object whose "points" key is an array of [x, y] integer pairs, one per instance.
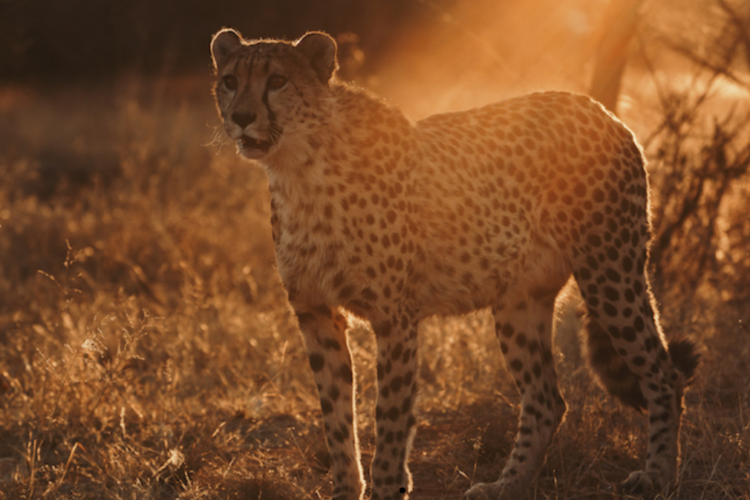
{"points": [[378, 217]]}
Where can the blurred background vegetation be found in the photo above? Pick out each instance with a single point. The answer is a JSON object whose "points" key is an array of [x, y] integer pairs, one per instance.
{"points": [[81, 39], [146, 346]]}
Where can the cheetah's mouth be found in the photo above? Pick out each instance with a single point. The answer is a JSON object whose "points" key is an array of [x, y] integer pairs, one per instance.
{"points": [[248, 144]]}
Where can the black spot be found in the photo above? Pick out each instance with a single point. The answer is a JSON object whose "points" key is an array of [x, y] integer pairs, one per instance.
{"points": [[521, 340], [613, 275], [628, 333], [393, 414], [407, 356], [305, 317], [406, 405], [397, 351], [609, 309], [612, 254], [396, 384], [326, 406], [345, 374], [627, 264], [584, 273], [346, 292], [639, 324], [516, 365], [333, 393], [592, 263], [507, 330], [317, 362], [611, 294]]}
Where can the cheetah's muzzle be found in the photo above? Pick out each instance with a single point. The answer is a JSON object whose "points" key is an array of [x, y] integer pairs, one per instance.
{"points": [[247, 142]]}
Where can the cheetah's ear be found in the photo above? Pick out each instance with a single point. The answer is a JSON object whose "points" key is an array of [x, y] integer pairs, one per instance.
{"points": [[320, 49], [223, 45]]}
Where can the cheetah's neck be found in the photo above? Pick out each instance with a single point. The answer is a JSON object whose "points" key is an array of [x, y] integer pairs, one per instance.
{"points": [[341, 145]]}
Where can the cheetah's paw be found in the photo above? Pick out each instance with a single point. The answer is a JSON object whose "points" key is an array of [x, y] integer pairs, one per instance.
{"points": [[492, 491], [640, 483]]}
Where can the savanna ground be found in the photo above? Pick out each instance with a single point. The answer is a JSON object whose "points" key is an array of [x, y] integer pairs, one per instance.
{"points": [[147, 349]]}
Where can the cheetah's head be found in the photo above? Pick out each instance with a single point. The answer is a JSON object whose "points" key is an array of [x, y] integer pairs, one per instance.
{"points": [[266, 90]]}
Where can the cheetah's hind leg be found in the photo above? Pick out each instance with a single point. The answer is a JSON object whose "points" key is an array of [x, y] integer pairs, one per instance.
{"points": [[523, 328], [629, 355]]}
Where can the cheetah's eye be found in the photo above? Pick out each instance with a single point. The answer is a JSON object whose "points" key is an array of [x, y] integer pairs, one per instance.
{"points": [[275, 82], [230, 82]]}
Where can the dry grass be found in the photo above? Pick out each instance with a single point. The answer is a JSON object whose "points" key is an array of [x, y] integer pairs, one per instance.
{"points": [[148, 351]]}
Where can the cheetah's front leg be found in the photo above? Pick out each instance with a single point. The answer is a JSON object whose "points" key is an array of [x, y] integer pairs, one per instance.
{"points": [[324, 331], [397, 373]]}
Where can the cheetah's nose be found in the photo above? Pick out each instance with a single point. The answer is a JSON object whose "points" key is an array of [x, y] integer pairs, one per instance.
{"points": [[243, 119]]}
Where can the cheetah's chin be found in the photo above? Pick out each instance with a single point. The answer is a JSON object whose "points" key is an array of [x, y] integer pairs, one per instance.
{"points": [[253, 148]]}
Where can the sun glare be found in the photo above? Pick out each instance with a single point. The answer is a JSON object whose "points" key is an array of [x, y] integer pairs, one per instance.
{"points": [[479, 52]]}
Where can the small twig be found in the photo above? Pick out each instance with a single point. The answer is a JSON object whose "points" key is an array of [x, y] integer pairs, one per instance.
{"points": [[299, 448], [70, 459]]}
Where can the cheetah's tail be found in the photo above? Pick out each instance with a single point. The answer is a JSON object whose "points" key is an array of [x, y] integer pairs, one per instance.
{"points": [[683, 354], [614, 375]]}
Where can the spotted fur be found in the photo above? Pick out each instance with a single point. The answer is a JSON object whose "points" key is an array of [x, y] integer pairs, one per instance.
{"points": [[495, 207]]}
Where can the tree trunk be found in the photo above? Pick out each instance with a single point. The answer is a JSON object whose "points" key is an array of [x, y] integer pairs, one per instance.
{"points": [[619, 26]]}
